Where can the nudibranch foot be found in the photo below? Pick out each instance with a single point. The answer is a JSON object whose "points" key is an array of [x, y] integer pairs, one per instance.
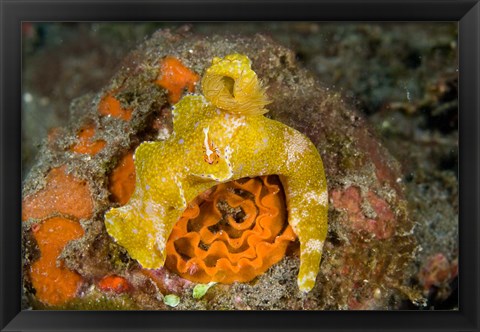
{"points": [[220, 137], [137, 231]]}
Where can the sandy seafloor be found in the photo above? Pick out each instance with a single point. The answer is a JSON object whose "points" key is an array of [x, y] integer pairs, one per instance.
{"points": [[402, 76]]}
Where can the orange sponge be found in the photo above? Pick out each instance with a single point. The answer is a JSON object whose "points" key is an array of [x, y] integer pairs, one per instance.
{"points": [[175, 77], [63, 194], [85, 143], [55, 284], [233, 234], [109, 105], [122, 179]]}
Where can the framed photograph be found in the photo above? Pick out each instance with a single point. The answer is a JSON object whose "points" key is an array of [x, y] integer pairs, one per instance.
{"points": [[204, 165]]}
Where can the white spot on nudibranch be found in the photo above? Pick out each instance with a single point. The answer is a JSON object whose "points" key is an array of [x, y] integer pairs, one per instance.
{"points": [[295, 145], [321, 198], [306, 278], [313, 245], [232, 123]]}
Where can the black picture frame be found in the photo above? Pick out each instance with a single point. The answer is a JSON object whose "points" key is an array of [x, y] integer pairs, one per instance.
{"points": [[13, 12]]}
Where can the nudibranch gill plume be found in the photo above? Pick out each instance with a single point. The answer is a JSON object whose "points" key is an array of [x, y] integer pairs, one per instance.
{"points": [[218, 137]]}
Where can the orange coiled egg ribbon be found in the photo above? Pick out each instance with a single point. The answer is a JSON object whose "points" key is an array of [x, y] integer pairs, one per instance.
{"points": [[234, 233]]}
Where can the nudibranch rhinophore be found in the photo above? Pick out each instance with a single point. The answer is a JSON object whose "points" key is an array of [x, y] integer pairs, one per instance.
{"points": [[218, 137]]}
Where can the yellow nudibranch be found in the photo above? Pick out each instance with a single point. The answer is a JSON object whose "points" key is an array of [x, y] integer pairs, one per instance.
{"points": [[218, 137]]}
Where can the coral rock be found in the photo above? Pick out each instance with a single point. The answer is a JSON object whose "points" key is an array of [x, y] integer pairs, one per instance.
{"points": [[361, 267]]}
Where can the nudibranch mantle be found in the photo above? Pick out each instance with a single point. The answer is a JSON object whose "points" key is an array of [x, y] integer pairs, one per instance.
{"points": [[217, 137]]}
